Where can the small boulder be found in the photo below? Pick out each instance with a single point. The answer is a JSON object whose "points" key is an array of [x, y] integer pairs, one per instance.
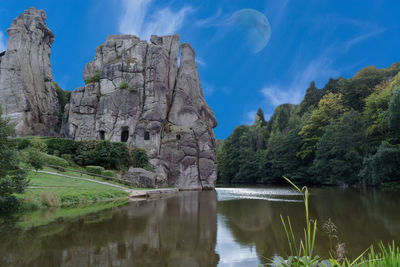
{"points": [[140, 178]]}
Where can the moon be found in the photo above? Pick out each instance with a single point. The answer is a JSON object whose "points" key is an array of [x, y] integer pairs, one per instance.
{"points": [[254, 25]]}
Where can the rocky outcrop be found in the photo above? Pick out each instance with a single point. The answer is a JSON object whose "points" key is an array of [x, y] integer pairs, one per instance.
{"points": [[136, 92], [27, 95], [139, 177]]}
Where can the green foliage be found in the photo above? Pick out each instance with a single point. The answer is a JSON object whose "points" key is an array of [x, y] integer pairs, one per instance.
{"points": [[22, 143], [383, 166], [280, 118], [12, 178], [139, 158], [94, 169], [35, 158], [94, 78], [38, 144], [339, 155], [331, 137], [355, 90], [63, 99], [54, 160], [132, 89], [393, 114], [108, 173], [112, 155], [108, 155], [330, 108], [123, 85], [311, 99]]}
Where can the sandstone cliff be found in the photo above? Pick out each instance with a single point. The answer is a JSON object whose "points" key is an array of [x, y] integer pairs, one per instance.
{"points": [[27, 95], [135, 92]]}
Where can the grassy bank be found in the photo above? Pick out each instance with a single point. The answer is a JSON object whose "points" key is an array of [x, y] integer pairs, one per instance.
{"points": [[46, 190]]}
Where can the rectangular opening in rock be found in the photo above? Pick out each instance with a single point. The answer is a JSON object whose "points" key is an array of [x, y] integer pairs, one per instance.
{"points": [[102, 135], [125, 134], [147, 135], [178, 137]]}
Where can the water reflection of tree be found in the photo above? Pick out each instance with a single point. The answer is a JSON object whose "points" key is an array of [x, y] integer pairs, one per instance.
{"points": [[362, 217], [178, 231]]}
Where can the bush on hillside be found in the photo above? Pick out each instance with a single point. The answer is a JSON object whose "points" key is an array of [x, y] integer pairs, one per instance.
{"points": [[94, 169], [108, 173], [56, 161]]}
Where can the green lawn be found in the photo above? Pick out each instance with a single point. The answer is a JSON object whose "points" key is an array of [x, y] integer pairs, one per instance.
{"points": [[72, 173], [46, 190]]}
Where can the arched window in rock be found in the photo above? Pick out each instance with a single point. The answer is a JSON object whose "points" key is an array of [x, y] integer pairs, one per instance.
{"points": [[178, 137], [125, 134], [147, 135]]}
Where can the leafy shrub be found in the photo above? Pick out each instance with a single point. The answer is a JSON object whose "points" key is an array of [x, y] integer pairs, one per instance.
{"points": [[22, 143], [64, 146], [56, 161], [132, 89], [68, 158], [108, 173], [381, 166], [123, 85], [56, 153], [111, 155], [35, 158], [108, 154], [39, 144], [94, 169], [139, 158], [94, 78]]}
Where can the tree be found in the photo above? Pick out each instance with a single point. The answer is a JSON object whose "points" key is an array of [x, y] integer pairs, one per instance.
{"points": [[311, 99], [393, 115], [330, 108], [338, 157], [383, 166], [35, 158], [12, 177]]}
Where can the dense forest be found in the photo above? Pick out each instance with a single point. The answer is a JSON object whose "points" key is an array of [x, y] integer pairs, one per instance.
{"points": [[348, 132]]}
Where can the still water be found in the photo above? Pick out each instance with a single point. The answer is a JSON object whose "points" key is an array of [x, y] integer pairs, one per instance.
{"points": [[229, 227]]}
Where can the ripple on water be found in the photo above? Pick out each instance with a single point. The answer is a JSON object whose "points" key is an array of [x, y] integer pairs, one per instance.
{"points": [[268, 194]]}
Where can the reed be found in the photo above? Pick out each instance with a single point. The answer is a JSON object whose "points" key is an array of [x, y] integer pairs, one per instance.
{"points": [[302, 250]]}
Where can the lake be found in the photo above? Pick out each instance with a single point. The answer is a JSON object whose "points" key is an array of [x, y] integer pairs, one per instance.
{"points": [[229, 227]]}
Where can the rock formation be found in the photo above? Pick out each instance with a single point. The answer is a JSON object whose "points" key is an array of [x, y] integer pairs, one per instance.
{"points": [[27, 95], [135, 92]]}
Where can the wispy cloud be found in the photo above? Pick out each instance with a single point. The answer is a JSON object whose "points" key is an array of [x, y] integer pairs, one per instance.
{"points": [[200, 62], [208, 89], [141, 18], [3, 42], [250, 116], [209, 21], [319, 69]]}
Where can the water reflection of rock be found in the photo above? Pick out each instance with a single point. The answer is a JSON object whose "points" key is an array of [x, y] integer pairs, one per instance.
{"points": [[179, 231]]}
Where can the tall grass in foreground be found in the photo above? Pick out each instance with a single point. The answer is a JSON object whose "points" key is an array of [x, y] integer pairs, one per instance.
{"points": [[302, 250]]}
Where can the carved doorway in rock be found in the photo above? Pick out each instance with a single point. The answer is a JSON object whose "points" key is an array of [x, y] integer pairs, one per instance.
{"points": [[125, 134]]}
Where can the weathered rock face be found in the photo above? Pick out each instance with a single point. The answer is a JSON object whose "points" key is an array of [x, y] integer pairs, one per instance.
{"points": [[135, 92], [27, 95], [139, 177]]}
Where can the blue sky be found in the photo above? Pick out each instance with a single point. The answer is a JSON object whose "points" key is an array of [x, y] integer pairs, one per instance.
{"points": [[311, 40]]}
